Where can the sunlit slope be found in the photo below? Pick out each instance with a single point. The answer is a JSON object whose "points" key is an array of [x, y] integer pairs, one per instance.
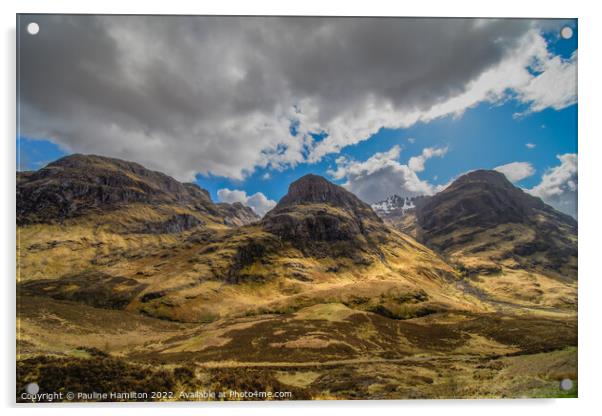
{"points": [[319, 245]]}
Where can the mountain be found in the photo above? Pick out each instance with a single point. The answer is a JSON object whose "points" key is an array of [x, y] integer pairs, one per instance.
{"points": [[85, 216], [483, 214], [80, 185], [398, 211], [314, 189], [316, 213], [489, 228], [484, 198], [320, 243], [148, 244]]}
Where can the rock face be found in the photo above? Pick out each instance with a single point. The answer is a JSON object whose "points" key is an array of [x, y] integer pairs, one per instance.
{"points": [[314, 189], [315, 209], [483, 214], [237, 214], [316, 212], [483, 199], [77, 185]]}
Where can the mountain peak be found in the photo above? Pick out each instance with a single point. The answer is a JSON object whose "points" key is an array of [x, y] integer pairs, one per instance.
{"points": [[315, 209], [82, 160], [489, 177], [491, 194], [237, 214], [315, 189], [480, 198], [483, 215]]}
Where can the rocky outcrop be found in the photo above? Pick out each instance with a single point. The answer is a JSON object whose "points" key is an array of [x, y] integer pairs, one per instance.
{"points": [[319, 224], [79, 184], [314, 189], [316, 209], [237, 214], [323, 219]]}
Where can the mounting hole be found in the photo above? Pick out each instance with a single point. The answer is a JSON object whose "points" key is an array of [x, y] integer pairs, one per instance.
{"points": [[33, 28], [566, 32], [566, 384], [32, 388]]}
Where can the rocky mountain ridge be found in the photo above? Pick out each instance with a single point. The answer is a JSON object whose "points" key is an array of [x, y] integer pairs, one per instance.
{"points": [[176, 247], [186, 258], [78, 185]]}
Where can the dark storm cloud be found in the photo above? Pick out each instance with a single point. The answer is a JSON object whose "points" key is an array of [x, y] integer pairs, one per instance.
{"points": [[217, 94], [413, 62]]}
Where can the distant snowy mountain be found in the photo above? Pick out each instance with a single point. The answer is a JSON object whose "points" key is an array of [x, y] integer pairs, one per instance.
{"points": [[395, 205]]}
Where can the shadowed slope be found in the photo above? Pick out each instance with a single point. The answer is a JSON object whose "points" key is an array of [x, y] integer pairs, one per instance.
{"points": [[483, 215]]}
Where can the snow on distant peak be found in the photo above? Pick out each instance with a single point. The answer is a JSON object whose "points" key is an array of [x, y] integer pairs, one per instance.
{"points": [[394, 203]]}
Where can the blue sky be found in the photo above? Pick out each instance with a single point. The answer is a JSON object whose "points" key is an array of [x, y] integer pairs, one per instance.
{"points": [[528, 123]]}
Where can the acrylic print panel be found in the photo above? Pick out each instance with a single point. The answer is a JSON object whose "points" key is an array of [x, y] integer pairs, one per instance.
{"points": [[294, 208]]}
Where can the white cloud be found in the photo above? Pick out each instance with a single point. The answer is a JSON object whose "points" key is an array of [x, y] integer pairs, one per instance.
{"points": [[416, 163], [258, 201], [555, 87], [530, 145], [559, 184], [380, 176], [375, 162], [516, 171], [411, 139]]}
